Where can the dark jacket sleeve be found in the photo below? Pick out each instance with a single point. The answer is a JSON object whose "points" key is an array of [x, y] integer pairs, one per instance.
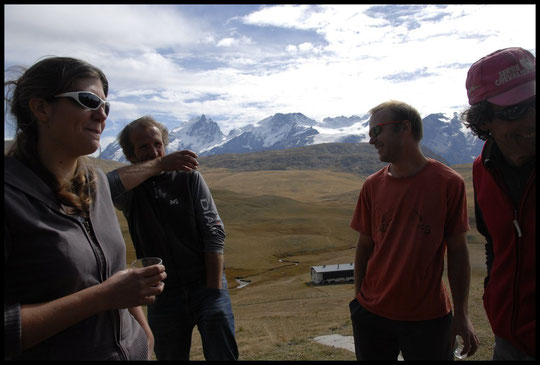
{"points": [[119, 194], [208, 219]]}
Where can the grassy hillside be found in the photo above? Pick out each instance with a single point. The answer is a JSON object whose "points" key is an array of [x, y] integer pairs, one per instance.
{"points": [[270, 227], [302, 185], [357, 158], [279, 214], [303, 217]]}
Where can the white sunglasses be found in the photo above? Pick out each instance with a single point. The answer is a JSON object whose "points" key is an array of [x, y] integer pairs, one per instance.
{"points": [[87, 100]]}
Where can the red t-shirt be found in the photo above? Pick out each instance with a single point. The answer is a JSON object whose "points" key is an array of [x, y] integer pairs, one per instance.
{"points": [[408, 220]]}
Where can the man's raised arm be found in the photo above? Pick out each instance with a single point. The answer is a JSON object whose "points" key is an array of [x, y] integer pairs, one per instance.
{"points": [[135, 174]]}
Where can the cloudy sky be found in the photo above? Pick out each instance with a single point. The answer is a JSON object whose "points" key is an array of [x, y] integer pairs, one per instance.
{"points": [[239, 64]]}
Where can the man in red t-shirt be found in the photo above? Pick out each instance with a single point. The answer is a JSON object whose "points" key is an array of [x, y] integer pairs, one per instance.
{"points": [[408, 214]]}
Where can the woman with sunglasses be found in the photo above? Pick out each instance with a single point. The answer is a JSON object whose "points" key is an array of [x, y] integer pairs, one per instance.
{"points": [[67, 294], [502, 93]]}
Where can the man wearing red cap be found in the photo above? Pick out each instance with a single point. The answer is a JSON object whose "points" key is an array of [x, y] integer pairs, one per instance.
{"points": [[502, 93]]}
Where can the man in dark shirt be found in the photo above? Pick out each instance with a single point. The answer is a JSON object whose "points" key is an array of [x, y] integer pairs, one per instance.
{"points": [[171, 214]]}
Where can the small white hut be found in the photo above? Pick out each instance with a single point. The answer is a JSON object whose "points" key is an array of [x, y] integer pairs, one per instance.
{"points": [[327, 274]]}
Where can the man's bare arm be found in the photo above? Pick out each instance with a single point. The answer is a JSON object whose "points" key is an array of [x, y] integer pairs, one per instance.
{"points": [[135, 174], [364, 247]]}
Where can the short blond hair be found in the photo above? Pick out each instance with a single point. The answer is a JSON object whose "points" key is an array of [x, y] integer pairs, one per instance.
{"points": [[403, 111]]}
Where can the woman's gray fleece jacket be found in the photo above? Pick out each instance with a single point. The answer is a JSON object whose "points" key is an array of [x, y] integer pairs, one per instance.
{"points": [[48, 255]]}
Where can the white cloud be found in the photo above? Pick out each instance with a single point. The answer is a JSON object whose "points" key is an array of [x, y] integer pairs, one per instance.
{"points": [[322, 60], [288, 16], [95, 32], [227, 42], [230, 41], [291, 48], [305, 47]]}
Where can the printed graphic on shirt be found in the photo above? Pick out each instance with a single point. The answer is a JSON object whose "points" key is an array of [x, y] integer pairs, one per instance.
{"points": [[385, 222], [210, 216], [422, 226]]}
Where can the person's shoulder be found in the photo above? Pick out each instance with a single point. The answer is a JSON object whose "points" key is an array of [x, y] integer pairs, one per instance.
{"points": [[11, 164], [192, 178], [381, 174], [180, 174], [99, 173], [17, 173], [443, 171]]}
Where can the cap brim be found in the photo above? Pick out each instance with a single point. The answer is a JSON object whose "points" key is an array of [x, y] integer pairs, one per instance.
{"points": [[515, 95]]}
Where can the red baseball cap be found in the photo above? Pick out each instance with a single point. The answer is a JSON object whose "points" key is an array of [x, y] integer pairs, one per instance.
{"points": [[504, 77]]}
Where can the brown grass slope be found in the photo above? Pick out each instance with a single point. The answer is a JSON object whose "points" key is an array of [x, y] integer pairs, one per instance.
{"points": [[267, 217], [357, 158]]}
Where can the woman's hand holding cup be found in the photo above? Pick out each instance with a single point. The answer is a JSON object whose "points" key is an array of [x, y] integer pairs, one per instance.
{"points": [[137, 285]]}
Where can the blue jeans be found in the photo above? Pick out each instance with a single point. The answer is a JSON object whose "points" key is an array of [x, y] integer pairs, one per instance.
{"points": [[505, 351], [176, 312], [378, 338]]}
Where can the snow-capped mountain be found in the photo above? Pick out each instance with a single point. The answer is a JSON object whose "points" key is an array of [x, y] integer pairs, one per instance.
{"points": [[198, 134], [114, 152], [450, 138], [342, 121], [443, 135], [342, 129], [274, 133]]}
